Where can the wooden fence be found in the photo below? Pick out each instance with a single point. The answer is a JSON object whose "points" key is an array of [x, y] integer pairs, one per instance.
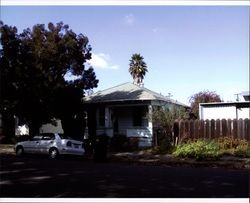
{"points": [[212, 129]]}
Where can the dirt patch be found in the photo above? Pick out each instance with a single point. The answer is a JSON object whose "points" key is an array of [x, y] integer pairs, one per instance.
{"points": [[6, 149]]}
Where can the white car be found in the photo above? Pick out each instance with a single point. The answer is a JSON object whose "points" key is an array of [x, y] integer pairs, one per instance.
{"points": [[52, 144]]}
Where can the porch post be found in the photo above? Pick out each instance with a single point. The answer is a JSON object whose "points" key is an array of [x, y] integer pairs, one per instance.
{"points": [[106, 117], [150, 121]]}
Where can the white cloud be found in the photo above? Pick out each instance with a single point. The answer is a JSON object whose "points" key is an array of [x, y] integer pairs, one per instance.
{"points": [[129, 19], [101, 61]]}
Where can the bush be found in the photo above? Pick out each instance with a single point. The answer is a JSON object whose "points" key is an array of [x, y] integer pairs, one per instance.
{"points": [[242, 151], [233, 146], [201, 148], [165, 146], [231, 143], [198, 149]]}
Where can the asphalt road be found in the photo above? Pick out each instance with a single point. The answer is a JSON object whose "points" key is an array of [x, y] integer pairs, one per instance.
{"points": [[83, 178]]}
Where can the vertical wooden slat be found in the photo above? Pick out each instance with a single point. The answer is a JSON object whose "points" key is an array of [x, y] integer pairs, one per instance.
{"points": [[247, 129], [212, 134], [235, 128], [186, 124], [196, 129], [217, 128], [240, 129], [201, 129], [191, 125], [229, 127], [181, 130], [224, 127], [207, 127]]}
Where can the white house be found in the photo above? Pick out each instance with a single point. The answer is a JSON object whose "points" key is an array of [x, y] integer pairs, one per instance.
{"points": [[125, 109]]}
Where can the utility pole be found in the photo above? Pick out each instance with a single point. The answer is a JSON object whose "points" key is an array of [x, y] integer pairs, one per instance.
{"points": [[237, 97]]}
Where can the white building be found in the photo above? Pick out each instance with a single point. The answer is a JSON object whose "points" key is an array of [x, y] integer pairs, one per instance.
{"points": [[224, 110], [125, 110]]}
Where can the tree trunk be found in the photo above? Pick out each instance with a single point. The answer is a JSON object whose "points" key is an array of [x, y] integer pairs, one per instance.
{"points": [[8, 128]]}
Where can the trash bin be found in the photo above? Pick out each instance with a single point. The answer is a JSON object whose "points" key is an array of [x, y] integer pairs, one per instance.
{"points": [[100, 148]]}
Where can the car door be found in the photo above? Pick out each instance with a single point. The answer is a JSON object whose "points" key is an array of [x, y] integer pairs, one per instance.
{"points": [[46, 142], [32, 146]]}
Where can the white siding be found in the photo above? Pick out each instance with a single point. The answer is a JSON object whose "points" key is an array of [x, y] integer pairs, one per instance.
{"points": [[105, 131], [243, 113], [225, 112], [125, 120]]}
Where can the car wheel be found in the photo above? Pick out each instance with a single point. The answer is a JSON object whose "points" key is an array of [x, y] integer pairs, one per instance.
{"points": [[19, 151], [53, 153]]}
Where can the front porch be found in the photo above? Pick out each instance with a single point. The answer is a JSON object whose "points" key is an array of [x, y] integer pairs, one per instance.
{"points": [[133, 121]]}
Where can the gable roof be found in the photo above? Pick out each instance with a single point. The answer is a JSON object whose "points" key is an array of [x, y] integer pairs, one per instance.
{"points": [[127, 92]]}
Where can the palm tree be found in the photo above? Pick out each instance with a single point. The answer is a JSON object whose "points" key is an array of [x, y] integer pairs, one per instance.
{"points": [[137, 69]]}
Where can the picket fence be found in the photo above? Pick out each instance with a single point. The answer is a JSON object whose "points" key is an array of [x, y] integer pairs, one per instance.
{"points": [[209, 129]]}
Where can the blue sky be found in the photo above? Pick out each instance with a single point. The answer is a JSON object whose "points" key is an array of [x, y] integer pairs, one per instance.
{"points": [[187, 48]]}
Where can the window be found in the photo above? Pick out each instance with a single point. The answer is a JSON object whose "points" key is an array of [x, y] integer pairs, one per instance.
{"points": [[48, 136], [63, 136], [36, 138], [138, 114]]}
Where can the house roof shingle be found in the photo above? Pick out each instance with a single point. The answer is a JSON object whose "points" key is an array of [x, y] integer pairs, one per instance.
{"points": [[127, 92]]}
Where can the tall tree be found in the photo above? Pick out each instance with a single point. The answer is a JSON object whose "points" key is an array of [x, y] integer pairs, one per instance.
{"points": [[137, 68], [34, 65], [202, 97]]}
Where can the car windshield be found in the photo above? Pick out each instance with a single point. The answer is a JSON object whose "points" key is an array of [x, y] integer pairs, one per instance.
{"points": [[63, 136]]}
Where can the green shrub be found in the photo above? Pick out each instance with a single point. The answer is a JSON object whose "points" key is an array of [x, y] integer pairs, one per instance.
{"points": [[198, 149], [242, 151]]}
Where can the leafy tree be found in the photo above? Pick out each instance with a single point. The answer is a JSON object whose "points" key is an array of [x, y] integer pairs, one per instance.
{"points": [[137, 68], [202, 97], [34, 65], [163, 120], [166, 117]]}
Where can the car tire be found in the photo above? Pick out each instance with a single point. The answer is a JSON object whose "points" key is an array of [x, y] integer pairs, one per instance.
{"points": [[53, 153], [19, 151]]}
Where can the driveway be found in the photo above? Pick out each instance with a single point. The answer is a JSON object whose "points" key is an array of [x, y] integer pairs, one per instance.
{"points": [[82, 178]]}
